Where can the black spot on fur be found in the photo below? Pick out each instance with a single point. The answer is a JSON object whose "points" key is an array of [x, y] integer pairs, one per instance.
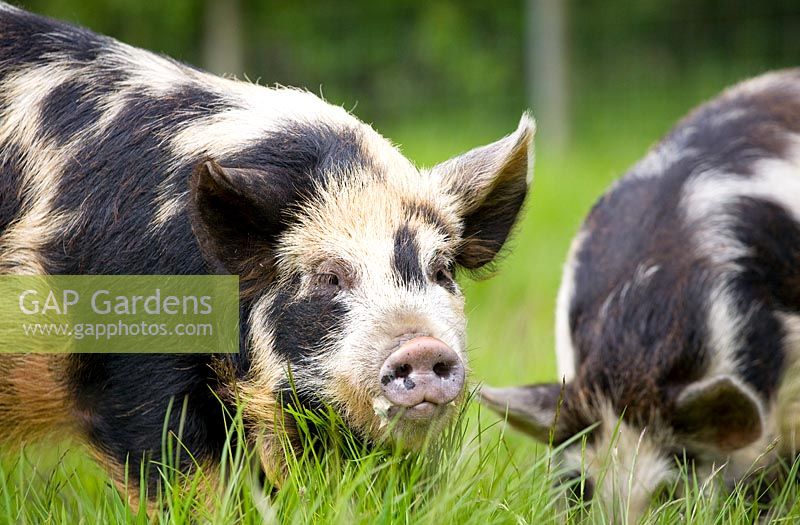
{"points": [[299, 398], [769, 283], [634, 334], [405, 260], [306, 154], [10, 184], [303, 326], [126, 168], [125, 399], [427, 213], [69, 108], [27, 39], [771, 268]]}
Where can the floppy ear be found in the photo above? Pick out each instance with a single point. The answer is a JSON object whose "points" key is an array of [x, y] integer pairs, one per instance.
{"points": [[490, 184], [720, 412], [531, 409], [236, 214]]}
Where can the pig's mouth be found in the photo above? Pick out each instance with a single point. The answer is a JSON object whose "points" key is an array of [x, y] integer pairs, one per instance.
{"points": [[423, 411], [420, 412]]}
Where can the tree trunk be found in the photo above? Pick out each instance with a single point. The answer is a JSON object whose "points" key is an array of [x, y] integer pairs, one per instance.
{"points": [[222, 42], [547, 69]]}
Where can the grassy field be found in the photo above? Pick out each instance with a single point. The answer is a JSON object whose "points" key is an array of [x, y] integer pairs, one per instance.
{"points": [[486, 473]]}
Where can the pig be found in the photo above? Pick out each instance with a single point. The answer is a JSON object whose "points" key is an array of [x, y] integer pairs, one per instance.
{"points": [[678, 315], [115, 160]]}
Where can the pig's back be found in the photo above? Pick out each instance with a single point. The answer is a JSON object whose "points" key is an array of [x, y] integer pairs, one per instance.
{"points": [[690, 264], [98, 140]]}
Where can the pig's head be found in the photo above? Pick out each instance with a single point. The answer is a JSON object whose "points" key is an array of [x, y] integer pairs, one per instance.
{"points": [[630, 450], [347, 255]]}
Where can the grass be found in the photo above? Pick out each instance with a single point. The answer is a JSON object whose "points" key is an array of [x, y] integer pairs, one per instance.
{"points": [[481, 472], [470, 475]]}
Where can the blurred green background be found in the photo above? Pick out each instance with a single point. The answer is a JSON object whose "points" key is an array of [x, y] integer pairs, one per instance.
{"points": [[605, 80]]}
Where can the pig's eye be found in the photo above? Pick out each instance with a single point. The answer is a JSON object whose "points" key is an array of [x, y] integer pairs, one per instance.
{"points": [[443, 277], [331, 277], [580, 489], [326, 282], [685, 458], [664, 493]]}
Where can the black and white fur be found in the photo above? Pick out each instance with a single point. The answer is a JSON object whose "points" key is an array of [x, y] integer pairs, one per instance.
{"points": [[114, 160], [679, 309]]}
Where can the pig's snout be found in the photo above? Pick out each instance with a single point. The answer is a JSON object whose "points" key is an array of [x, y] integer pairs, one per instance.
{"points": [[421, 375]]}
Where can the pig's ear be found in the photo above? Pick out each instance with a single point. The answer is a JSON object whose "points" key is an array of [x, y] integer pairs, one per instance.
{"points": [[531, 409], [721, 413], [490, 184], [236, 215]]}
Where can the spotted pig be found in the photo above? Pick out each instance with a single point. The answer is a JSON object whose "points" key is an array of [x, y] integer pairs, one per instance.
{"points": [[678, 319], [115, 160]]}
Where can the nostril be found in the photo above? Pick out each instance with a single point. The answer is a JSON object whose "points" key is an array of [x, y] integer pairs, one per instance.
{"points": [[442, 370], [422, 370]]}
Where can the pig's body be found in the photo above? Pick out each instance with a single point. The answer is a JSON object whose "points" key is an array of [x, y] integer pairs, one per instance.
{"points": [[114, 160], [680, 305]]}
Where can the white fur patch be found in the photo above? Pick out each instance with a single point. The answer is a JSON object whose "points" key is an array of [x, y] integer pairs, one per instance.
{"points": [[707, 201], [708, 195], [766, 82], [565, 350], [8, 7], [724, 327], [41, 166], [658, 160], [259, 111], [150, 74], [626, 464], [787, 406]]}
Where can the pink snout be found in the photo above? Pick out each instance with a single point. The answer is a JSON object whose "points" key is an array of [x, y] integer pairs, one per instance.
{"points": [[421, 375]]}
